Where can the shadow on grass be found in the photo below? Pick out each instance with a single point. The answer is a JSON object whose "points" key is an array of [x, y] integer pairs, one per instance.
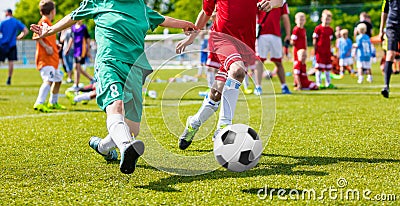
{"points": [[4, 99], [166, 184]]}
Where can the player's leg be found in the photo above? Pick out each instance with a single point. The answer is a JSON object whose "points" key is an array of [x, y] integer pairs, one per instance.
{"points": [[230, 93], [57, 80], [360, 72], [393, 35], [11, 56], [46, 73], [369, 75], [276, 57], [10, 71], [263, 47], [77, 73], [208, 108]]}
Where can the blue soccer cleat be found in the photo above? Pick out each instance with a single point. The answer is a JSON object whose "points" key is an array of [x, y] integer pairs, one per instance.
{"points": [[110, 156], [285, 90]]}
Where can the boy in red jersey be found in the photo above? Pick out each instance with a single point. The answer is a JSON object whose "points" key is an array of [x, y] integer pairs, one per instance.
{"points": [[300, 72], [322, 37], [232, 40], [299, 35]]}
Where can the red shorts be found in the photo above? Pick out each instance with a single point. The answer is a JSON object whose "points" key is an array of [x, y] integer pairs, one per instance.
{"points": [[212, 61], [323, 61], [307, 84], [227, 50]]}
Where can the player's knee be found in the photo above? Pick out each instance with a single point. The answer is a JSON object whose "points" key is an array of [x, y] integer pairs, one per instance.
{"points": [[117, 107], [390, 56], [237, 71]]}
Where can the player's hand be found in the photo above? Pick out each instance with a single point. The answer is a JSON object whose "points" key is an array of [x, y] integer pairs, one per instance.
{"points": [[49, 50], [41, 31], [381, 36], [181, 46], [189, 28], [264, 5]]}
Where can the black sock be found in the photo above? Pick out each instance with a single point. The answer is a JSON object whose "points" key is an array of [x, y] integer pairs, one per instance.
{"points": [[388, 72]]}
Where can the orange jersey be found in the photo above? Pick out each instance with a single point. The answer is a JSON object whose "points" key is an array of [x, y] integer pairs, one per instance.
{"points": [[42, 58]]}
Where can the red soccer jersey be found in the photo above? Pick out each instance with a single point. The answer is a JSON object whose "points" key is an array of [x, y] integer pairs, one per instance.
{"points": [[299, 40], [324, 35], [272, 25], [234, 17]]}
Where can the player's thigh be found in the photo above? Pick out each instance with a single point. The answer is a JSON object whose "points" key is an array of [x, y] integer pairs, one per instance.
{"points": [[47, 73], [111, 76], [12, 54], [133, 100], [275, 46], [393, 34], [58, 75]]}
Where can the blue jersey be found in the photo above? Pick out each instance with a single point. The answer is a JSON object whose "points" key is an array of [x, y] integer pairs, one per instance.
{"points": [[364, 49], [345, 46], [8, 29]]}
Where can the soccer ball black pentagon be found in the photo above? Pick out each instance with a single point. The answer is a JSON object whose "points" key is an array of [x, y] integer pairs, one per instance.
{"points": [[238, 147]]}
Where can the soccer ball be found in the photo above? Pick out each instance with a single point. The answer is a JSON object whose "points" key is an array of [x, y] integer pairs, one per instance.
{"points": [[238, 147]]}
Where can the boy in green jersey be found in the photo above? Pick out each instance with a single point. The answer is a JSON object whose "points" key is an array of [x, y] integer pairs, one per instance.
{"points": [[120, 68]]}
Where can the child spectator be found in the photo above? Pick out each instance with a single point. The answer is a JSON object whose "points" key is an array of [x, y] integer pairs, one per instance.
{"points": [[47, 62], [301, 80], [344, 52], [322, 37], [364, 53], [299, 35]]}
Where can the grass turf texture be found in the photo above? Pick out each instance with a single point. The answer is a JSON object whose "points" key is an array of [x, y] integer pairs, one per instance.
{"points": [[318, 137]]}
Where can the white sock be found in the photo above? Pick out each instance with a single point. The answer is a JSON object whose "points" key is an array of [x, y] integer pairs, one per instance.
{"points": [[210, 78], [283, 85], [53, 98], [327, 78], [200, 70], [360, 78], [318, 77], [81, 97], [207, 109], [369, 78], [43, 92], [229, 99], [246, 82], [118, 130], [106, 145]]}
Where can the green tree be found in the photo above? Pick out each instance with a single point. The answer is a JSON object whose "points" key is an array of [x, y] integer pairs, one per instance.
{"points": [[28, 12]]}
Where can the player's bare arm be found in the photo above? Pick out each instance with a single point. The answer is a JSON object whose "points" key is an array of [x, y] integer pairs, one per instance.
{"points": [[23, 34], [46, 30], [48, 49], [187, 26], [286, 25], [201, 22], [267, 5]]}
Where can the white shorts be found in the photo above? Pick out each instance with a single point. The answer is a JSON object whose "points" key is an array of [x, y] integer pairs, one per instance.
{"points": [[49, 74], [364, 64], [346, 61], [269, 43]]}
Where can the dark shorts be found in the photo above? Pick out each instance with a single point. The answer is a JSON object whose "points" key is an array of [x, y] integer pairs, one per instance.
{"points": [[393, 34], [80, 60], [10, 54]]}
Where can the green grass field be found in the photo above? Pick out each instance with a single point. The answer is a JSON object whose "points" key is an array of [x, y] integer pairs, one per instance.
{"points": [[343, 144]]}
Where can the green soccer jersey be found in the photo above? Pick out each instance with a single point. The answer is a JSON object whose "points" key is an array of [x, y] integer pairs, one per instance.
{"points": [[121, 26]]}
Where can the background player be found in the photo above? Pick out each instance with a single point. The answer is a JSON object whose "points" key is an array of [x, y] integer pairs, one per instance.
{"points": [[364, 53], [391, 17], [300, 72], [345, 46], [322, 37], [47, 62], [269, 41]]}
